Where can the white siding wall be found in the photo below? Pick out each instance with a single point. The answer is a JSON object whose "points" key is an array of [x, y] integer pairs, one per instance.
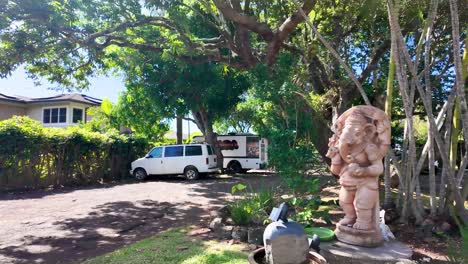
{"points": [[8, 110]]}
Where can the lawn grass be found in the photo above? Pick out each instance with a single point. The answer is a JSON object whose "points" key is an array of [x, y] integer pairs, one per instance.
{"points": [[175, 246]]}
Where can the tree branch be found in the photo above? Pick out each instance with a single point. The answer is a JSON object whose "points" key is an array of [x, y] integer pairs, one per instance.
{"points": [[242, 19], [285, 30]]}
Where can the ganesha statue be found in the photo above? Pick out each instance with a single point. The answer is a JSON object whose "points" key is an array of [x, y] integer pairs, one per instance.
{"points": [[360, 141]]}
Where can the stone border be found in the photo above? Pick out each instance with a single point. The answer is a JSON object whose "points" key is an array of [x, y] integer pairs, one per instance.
{"points": [[224, 228]]}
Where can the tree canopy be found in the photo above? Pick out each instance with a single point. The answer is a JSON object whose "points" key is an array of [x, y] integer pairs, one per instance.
{"points": [[229, 60]]}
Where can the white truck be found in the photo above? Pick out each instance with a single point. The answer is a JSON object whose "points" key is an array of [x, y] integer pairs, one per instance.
{"points": [[242, 152]]}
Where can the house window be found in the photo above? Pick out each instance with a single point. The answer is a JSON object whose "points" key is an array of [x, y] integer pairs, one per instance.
{"points": [[54, 115], [77, 115]]}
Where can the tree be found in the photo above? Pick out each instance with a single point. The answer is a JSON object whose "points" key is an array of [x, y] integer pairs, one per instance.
{"points": [[132, 113], [169, 88], [69, 40]]}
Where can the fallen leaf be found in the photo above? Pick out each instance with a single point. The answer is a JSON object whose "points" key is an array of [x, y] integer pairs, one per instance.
{"points": [[182, 248]]}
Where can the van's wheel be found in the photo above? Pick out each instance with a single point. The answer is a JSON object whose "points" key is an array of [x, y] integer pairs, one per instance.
{"points": [[140, 174], [191, 173], [234, 167]]}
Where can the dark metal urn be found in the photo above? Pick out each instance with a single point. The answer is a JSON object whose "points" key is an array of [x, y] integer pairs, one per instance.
{"points": [[285, 241]]}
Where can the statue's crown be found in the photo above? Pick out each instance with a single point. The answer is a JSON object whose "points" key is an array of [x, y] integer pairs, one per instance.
{"points": [[357, 118]]}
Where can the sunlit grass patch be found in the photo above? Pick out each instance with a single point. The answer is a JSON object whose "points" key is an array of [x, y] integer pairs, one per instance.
{"points": [[175, 246]]}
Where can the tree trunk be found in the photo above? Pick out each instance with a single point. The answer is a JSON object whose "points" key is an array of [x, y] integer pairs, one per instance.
{"points": [[204, 123], [388, 111], [443, 177], [395, 28], [179, 129], [409, 160], [430, 133]]}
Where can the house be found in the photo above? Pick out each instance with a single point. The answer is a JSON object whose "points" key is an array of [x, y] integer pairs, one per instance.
{"points": [[56, 111], [171, 134]]}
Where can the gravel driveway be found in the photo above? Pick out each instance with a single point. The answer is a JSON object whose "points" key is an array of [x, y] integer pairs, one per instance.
{"points": [[73, 224]]}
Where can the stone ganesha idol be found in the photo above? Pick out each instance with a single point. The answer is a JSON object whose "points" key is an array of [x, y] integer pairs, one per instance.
{"points": [[360, 141]]}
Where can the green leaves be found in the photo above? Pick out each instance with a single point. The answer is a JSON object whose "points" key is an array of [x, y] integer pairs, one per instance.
{"points": [[32, 156], [237, 187], [251, 206], [106, 106]]}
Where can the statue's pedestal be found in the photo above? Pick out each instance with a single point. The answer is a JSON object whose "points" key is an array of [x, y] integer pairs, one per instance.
{"points": [[389, 252], [364, 238]]}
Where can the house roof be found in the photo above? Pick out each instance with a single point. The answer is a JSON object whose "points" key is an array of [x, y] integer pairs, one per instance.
{"points": [[73, 97]]}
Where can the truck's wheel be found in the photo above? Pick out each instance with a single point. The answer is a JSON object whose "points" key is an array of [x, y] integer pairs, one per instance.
{"points": [[234, 167], [140, 174], [191, 173]]}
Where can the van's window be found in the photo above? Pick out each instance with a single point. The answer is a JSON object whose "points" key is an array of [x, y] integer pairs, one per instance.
{"points": [[193, 151], [176, 151], [210, 150], [156, 153]]}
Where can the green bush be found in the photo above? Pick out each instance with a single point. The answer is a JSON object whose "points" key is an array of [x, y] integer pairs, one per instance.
{"points": [[251, 206], [295, 161], [34, 156], [241, 212]]}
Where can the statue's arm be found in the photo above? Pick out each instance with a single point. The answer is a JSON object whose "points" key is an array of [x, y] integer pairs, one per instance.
{"points": [[374, 170], [335, 169], [375, 158], [336, 161]]}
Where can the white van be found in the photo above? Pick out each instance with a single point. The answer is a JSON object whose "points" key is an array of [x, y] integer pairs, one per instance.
{"points": [[189, 160], [241, 152]]}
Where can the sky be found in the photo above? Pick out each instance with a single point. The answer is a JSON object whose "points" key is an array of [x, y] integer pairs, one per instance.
{"points": [[100, 87]]}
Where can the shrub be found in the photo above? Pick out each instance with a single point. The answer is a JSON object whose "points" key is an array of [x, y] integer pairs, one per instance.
{"points": [[295, 161], [241, 213], [251, 206], [306, 209], [34, 156]]}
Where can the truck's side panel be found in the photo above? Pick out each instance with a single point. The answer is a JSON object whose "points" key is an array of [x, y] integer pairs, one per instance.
{"points": [[248, 150]]}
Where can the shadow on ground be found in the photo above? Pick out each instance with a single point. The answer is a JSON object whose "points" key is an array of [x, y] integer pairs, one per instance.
{"points": [[112, 225], [108, 227]]}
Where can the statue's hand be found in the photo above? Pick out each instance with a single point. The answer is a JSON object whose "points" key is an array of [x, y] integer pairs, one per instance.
{"points": [[356, 170], [359, 172], [332, 152], [350, 159]]}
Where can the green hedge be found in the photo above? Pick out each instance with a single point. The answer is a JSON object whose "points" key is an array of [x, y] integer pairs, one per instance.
{"points": [[32, 156]]}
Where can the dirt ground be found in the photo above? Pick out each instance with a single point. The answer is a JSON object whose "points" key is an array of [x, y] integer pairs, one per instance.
{"points": [[70, 224]]}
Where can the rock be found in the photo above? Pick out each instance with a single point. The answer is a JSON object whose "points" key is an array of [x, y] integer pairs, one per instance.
{"points": [[428, 222], [222, 212], [442, 229], [446, 227], [216, 223], [255, 235], [157, 215], [229, 221], [240, 233], [425, 260], [257, 220], [252, 246], [225, 232], [199, 231], [427, 226]]}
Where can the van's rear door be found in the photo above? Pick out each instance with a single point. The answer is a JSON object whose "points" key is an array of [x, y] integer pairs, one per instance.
{"points": [[211, 157]]}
